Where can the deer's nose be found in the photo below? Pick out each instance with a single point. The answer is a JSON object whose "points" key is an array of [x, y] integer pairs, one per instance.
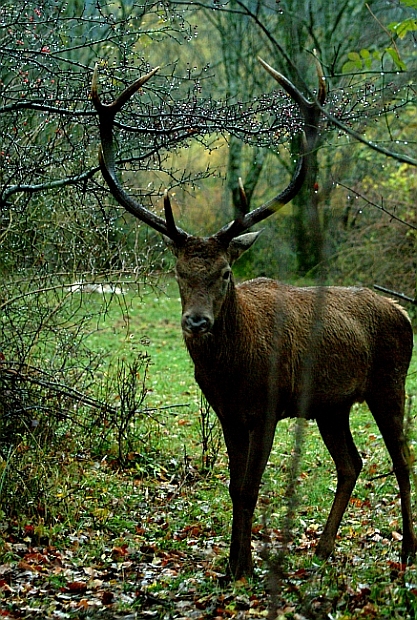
{"points": [[196, 323]]}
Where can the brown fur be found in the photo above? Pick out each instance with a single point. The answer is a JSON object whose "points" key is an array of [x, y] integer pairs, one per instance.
{"points": [[271, 351]]}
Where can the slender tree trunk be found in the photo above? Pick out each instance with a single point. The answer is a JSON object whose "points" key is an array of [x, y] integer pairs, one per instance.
{"points": [[307, 226]]}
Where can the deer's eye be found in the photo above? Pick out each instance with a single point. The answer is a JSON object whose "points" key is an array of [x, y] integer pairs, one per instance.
{"points": [[226, 275]]}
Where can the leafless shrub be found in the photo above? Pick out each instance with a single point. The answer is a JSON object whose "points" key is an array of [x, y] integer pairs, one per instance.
{"points": [[210, 435]]}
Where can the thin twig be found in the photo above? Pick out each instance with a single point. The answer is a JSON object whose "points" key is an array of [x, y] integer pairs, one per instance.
{"points": [[378, 206], [396, 294]]}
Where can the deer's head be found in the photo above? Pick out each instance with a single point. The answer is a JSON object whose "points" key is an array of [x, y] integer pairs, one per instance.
{"points": [[203, 267], [204, 275]]}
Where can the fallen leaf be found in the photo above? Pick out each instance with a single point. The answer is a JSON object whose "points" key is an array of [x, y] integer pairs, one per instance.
{"points": [[28, 567], [76, 587], [107, 597]]}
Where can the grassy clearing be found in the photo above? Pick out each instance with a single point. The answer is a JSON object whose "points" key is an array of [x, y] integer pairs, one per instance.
{"points": [[151, 539]]}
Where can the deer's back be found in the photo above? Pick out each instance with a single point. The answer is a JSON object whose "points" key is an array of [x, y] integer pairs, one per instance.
{"points": [[339, 342]]}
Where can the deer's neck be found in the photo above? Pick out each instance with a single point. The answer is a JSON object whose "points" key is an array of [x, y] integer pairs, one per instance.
{"points": [[221, 344], [223, 358]]}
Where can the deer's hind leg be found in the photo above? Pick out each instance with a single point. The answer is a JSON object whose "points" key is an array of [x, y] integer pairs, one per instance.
{"points": [[387, 407], [335, 431]]}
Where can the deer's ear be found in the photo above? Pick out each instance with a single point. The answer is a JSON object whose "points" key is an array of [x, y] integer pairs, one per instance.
{"points": [[238, 245]]}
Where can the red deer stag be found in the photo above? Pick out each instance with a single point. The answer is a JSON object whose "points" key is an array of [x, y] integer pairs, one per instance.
{"points": [[264, 351]]}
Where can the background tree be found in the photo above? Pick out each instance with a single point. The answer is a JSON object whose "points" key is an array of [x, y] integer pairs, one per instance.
{"points": [[363, 79]]}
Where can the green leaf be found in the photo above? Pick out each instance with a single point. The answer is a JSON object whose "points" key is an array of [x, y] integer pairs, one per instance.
{"points": [[400, 64], [355, 62], [361, 60], [349, 67], [410, 3], [402, 28]]}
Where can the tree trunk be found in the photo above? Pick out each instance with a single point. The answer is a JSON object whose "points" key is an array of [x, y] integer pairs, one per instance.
{"points": [[307, 226]]}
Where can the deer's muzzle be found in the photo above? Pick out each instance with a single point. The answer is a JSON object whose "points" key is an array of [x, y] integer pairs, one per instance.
{"points": [[194, 324]]}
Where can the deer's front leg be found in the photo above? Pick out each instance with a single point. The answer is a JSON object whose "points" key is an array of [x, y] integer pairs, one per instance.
{"points": [[248, 452]]}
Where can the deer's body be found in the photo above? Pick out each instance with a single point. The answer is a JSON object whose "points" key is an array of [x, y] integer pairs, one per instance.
{"points": [[260, 346], [263, 350]]}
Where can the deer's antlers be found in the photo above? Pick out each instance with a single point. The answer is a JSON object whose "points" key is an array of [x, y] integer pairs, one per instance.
{"points": [[107, 112]]}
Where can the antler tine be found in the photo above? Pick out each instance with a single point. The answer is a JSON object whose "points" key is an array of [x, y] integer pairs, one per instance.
{"points": [[309, 110], [321, 95], [243, 199], [311, 113], [107, 113], [173, 231], [285, 83], [118, 103]]}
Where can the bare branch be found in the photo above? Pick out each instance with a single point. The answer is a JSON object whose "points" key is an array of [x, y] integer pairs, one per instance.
{"points": [[378, 206], [32, 189], [396, 294], [405, 159]]}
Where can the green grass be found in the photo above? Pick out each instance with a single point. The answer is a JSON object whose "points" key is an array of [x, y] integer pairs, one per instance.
{"points": [[152, 538], [150, 324]]}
